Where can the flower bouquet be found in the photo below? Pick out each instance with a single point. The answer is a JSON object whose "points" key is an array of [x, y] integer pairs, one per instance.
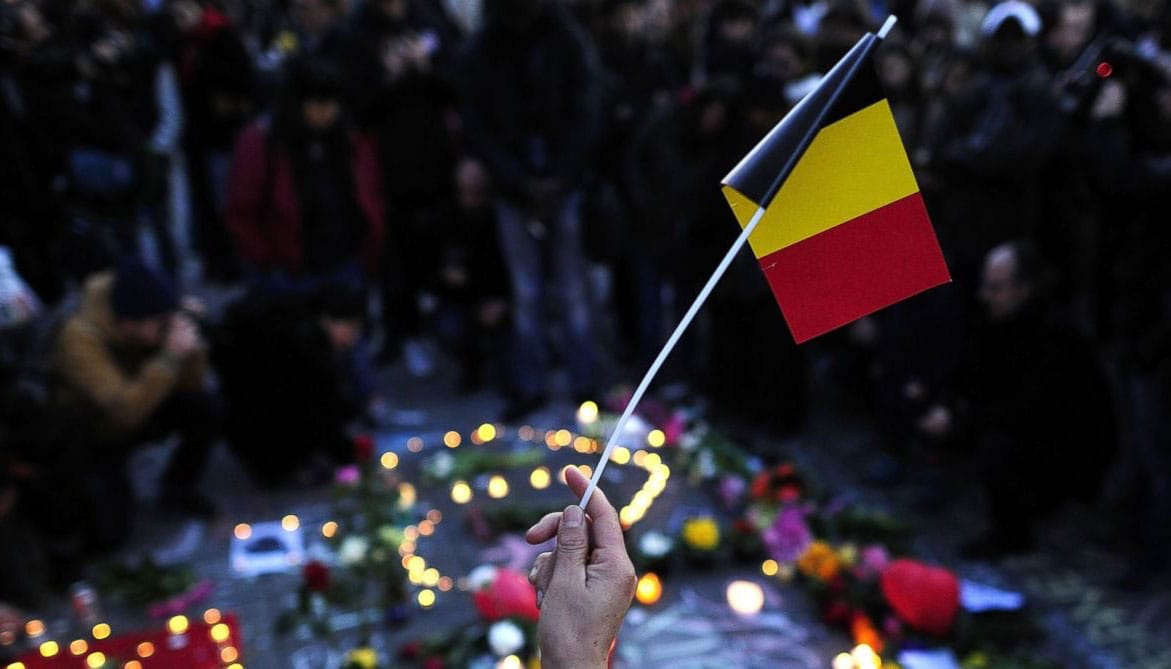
{"points": [[370, 511]]}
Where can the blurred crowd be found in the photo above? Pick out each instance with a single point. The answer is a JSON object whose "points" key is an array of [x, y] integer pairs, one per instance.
{"points": [[531, 186]]}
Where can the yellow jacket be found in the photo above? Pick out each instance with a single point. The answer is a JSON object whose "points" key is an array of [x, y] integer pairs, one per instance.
{"points": [[118, 385]]}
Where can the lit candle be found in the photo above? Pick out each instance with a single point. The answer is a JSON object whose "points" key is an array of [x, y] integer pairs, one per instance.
{"points": [[649, 589], [745, 597], [461, 492], [497, 487]]}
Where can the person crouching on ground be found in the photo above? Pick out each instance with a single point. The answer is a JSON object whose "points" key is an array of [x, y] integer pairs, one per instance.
{"points": [[132, 368]]}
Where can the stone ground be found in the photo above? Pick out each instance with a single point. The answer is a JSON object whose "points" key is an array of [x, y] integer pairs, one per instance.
{"points": [[1089, 624]]}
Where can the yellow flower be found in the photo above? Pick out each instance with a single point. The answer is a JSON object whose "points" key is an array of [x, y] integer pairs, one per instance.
{"points": [[848, 554], [701, 534], [287, 42], [976, 660], [819, 561], [366, 658]]}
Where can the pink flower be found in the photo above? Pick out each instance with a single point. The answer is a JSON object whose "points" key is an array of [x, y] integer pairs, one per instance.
{"points": [[731, 490], [788, 537], [347, 476], [674, 428], [872, 561]]}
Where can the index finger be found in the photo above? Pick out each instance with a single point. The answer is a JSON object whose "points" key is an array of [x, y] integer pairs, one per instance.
{"points": [[606, 529]]}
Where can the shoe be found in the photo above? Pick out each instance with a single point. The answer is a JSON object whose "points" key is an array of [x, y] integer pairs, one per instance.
{"points": [[520, 407], [191, 504]]}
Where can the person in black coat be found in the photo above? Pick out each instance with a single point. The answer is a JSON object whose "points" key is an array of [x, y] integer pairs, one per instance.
{"points": [[530, 115], [397, 64], [218, 82], [1033, 400]]}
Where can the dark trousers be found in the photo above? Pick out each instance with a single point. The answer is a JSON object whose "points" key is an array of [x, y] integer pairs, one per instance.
{"points": [[410, 259], [195, 418], [1025, 479]]}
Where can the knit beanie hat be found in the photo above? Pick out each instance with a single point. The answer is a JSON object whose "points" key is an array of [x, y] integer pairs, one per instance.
{"points": [[140, 292]]}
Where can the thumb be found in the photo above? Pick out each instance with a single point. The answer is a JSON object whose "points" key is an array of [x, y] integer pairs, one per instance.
{"points": [[573, 546]]}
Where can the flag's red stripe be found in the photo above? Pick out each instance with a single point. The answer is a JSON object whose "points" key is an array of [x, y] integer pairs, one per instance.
{"points": [[856, 268]]}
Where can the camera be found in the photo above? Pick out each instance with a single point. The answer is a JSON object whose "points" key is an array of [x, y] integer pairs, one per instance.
{"points": [[1106, 58]]}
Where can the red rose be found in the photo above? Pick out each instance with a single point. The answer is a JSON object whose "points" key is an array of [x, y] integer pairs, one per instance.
{"points": [[786, 469], [743, 526], [789, 493], [433, 663], [410, 650], [363, 448], [316, 576], [761, 485]]}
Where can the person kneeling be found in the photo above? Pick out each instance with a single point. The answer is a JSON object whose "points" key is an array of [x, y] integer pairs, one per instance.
{"points": [[132, 368]]}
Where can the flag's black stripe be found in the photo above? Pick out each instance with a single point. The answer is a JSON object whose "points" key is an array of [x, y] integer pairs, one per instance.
{"points": [[760, 174], [862, 91]]}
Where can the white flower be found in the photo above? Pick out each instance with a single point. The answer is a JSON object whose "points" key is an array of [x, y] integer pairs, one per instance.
{"points": [[441, 465], [690, 439], [481, 577], [707, 465], [352, 551], [505, 638], [655, 544]]}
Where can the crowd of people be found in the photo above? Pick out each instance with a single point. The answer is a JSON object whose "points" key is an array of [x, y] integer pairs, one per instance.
{"points": [[451, 171]]}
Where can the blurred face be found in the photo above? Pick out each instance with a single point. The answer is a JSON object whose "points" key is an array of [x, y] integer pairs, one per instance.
{"points": [[627, 21], [187, 14], [937, 34], [657, 20], [956, 78], [1075, 27], [320, 114], [146, 333], [713, 116], [34, 29], [472, 185], [895, 71], [737, 31], [343, 333], [783, 61], [1001, 292]]}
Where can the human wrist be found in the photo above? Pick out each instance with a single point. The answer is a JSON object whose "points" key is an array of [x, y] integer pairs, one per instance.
{"points": [[571, 660]]}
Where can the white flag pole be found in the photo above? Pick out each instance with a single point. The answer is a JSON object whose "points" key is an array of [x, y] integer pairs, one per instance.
{"points": [[667, 348]]}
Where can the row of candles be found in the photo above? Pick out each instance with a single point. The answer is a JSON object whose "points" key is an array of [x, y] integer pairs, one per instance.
{"points": [[177, 627]]}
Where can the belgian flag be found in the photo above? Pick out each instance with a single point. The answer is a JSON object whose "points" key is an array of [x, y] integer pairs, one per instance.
{"points": [[844, 231]]}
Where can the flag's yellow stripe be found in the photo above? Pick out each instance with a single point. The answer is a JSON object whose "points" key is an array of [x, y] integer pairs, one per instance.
{"points": [[853, 166]]}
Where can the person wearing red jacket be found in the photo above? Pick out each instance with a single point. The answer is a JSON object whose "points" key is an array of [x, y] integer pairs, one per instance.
{"points": [[305, 205]]}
